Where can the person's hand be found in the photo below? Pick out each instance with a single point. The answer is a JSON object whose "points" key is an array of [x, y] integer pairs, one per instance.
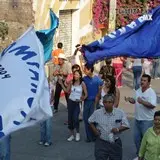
{"points": [[129, 99], [82, 98], [56, 73], [115, 130], [140, 100]]}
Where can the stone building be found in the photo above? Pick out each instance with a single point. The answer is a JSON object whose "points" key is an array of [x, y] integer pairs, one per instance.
{"points": [[19, 15]]}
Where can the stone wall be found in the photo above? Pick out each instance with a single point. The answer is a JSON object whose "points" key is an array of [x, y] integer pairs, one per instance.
{"points": [[19, 15]]}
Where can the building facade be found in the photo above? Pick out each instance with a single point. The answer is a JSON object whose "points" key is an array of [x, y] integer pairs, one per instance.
{"points": [[75, 17]]}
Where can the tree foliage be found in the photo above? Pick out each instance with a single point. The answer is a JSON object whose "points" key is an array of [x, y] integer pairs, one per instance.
{"points": [[3, 30]]}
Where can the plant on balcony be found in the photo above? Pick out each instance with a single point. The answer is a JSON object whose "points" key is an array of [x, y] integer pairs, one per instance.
{"points": [[129, 10], [100, 10]]}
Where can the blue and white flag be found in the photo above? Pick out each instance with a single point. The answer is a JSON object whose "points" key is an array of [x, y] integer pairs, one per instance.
{"points": [[46, 36], [24, 92], [139, 39]]}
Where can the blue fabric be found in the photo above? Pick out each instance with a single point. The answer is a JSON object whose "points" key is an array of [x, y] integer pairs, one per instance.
{"points": [[140, 127], [46, 131], [46, 36], [87, 112], [138, 39], [92, 85], [5, 152]]}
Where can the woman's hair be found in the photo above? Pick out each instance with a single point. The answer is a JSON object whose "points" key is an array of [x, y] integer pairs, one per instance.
{"points": [[157, 114], [76, 66], [80, 73], [112, 88]]}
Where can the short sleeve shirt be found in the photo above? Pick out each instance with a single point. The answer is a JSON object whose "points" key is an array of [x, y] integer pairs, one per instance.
{"points": [[66, 68], [92, 84], [142, 112], [106, 121]]}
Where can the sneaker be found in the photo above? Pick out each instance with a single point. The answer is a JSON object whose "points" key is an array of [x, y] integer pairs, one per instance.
{"points": [[55, 111], [135, 158], [41, 143], [71, 138], [66, 123], [47, 144], [77, 137], [87, 141]]}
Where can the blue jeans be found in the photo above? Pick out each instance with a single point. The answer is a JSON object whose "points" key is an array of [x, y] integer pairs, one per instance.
{"points": [[156, 68], [5, 148], [140, 127], [46, 131], [73, 115], [137, 71], [87, 112]]}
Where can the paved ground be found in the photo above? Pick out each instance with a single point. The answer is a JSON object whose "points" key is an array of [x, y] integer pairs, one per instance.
{"points": [[25, 147]]}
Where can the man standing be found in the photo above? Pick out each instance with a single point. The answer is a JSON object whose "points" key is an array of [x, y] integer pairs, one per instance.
{"points": [[56, 53], [107, 123], [145, 101], [107, 69], [93, 84], [61, 71]]}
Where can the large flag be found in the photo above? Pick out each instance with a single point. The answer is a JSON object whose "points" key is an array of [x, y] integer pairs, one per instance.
{"points": [[23, 85], [46, 36], [140, 38]]}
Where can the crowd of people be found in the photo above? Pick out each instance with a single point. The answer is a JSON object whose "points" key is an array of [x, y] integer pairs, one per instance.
{"points": [[97, 97]]}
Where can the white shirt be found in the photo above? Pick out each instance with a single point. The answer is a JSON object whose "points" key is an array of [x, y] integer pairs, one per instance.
{"points": [[76, 92], [142, 112]]}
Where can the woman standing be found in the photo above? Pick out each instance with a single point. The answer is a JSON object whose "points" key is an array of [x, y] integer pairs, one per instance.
{"points": [[118, 65], [137, 71], [76, 89], [150, 146], [109, 87]]}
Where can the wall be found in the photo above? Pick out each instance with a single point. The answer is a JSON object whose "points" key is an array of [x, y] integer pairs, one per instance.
{"points": [[19, 15]]}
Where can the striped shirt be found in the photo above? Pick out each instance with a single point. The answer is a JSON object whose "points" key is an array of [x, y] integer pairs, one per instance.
{"points": [[106, 121]]}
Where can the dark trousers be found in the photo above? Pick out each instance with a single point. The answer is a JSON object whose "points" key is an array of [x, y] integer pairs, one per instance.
{"points": [[87, 112], [57, 96], [105, 150], [137, 71], [73, 115]]}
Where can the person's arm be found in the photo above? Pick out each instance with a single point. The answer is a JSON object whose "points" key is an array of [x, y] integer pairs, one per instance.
{"points": [[130, 100], [124, 124], [92, 120], [84, 91], [117, 98], [98, 96], [95, 130], [101, 72], [66, 89], [142, 150], [145, 103]]}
